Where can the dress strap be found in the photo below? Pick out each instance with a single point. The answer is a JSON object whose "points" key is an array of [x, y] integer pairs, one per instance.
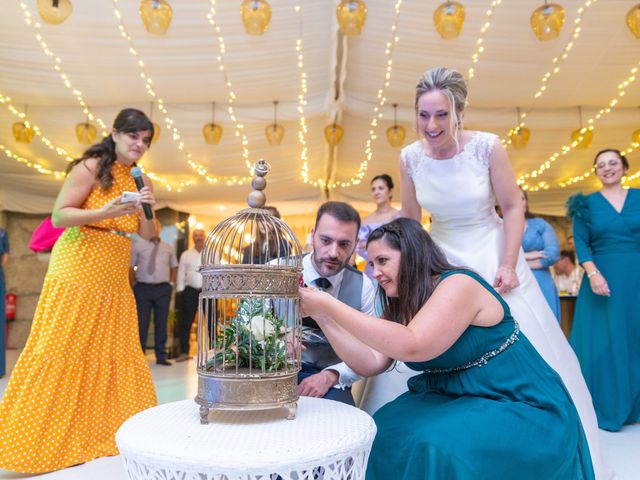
{"points": [[481, 281]]}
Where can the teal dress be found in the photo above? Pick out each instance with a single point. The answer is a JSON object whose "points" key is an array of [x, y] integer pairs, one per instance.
{"points": [[487, 408], [606, 330]]}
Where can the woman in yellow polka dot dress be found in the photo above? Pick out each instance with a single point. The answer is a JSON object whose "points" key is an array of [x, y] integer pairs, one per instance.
{"points": [[82, 372]]}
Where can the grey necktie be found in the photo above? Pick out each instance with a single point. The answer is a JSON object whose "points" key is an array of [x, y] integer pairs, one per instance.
{"points": [[151, 267]]}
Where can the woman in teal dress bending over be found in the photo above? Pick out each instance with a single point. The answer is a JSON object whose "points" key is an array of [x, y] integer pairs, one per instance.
{"points": [[486, 405], [606, 325]]}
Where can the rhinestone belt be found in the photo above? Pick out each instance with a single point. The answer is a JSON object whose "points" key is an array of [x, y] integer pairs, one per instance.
{"points": [[479, 362]]}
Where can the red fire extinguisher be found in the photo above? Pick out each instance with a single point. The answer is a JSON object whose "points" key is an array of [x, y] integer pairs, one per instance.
{"points": [[11, 299]]}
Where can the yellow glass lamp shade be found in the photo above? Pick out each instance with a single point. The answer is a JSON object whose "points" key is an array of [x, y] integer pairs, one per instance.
{"points": [[212, 133], [274, 133], [54, 12], [396, 135], [351, 16], [256, 15], [547, 21], [633, 20], [635, 136], [333, 134], [156, 132], [520, 137], [86, 133], [587, 137], [156, 16], [449, 19], [22, 132]]}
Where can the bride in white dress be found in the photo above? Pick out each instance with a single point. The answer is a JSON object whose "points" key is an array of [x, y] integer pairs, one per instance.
{"points": [[454, 174]]}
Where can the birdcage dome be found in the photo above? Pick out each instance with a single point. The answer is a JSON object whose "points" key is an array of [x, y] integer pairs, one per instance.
{"points": [[252, 237]]}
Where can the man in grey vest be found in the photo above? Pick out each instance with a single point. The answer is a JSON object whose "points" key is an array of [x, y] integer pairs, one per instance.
{"points": [[334, 239]]}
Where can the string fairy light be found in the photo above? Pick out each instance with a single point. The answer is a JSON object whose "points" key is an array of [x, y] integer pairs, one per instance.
{"points": [[585, 175], [239, 128], [555, 68], [302, 129], [475, 58], [628, 180], [6, 101], [565, 149], [30, 20], [198, 168], [377, 114], [59, 175]]}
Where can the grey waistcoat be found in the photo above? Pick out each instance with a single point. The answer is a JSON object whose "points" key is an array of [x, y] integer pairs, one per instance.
{"points": [[319, 353]]}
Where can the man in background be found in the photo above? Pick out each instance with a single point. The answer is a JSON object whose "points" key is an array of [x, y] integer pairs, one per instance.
{"points": [[153, 275], [188, 288], [566, 274]]}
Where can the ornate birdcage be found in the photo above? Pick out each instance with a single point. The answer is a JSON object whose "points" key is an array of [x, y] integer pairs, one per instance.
{"points": [[249, 318]]}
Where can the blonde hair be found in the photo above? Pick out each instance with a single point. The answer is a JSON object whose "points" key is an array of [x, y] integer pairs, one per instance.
{"points": [[453, 86]]}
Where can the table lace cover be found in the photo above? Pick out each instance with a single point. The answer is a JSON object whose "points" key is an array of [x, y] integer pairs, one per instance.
{"points": [[328, 440]]}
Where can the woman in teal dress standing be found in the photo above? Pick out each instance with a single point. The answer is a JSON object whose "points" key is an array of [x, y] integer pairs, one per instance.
{"points": [[606, 325], [540, 245], [486, 405]]}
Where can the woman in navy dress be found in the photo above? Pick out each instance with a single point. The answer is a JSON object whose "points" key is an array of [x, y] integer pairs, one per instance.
{"points": [[606, 325]]}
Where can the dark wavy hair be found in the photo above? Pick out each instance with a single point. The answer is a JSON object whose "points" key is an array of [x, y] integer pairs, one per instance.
{"points": [[623, 159], [386, 178], [341, 211], [527, 212], [420, 261], [129, 120]]}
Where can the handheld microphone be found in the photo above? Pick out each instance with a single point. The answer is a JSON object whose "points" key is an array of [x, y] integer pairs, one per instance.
{"points": [[136, 173]]}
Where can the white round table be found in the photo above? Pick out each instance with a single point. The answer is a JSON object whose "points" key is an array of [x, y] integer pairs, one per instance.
{"points": [[327, 440]]}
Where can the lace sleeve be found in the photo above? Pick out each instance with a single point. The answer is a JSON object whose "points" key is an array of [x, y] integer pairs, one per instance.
{"points": [[409, 157], [483, 147]]}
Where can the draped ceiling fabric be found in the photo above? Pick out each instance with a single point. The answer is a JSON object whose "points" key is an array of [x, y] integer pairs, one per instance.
{"points": [[344, 76]]}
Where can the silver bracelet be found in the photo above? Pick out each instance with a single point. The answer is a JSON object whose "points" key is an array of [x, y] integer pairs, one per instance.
{"points": [[595, 272]]}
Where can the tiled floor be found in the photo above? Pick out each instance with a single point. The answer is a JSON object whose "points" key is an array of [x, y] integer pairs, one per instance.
{"points": [[179, 382]]}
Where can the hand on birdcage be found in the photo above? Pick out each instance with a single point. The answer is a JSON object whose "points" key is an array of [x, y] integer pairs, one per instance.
{"points": [[294, 345], [313, 301]]}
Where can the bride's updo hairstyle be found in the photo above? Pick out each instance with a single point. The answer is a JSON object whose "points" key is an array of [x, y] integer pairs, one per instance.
{"points": [[420, 261], [453, 85]]}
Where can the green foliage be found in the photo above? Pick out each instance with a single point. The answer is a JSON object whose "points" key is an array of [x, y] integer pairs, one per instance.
{"points": [[253, 338]]}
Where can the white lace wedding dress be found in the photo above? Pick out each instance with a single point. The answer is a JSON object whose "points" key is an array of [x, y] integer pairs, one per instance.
{"points": [[457, 192]]}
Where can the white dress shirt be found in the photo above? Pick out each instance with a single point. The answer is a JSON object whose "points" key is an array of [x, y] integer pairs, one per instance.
{"points": [[568, 284], [187, 274], [346, 376]]}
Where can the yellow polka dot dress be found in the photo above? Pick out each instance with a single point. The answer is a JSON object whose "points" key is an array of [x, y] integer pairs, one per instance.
{"points": [[82, 372]]}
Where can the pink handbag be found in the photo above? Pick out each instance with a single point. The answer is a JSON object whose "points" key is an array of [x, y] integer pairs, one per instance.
{"points": [[44, 236]]}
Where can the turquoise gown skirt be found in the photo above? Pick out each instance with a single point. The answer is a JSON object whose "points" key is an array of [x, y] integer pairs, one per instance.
{"points": [[606, 339], [508, 418]]}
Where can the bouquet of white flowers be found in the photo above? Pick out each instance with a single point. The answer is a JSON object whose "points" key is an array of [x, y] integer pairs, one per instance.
{"points": [[255, 338]]}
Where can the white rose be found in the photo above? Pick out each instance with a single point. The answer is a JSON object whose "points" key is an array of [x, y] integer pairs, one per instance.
{"points": [[261, 327]]}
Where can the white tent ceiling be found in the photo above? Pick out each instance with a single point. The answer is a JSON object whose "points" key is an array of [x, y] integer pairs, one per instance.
{"points": [[343, 78]]}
